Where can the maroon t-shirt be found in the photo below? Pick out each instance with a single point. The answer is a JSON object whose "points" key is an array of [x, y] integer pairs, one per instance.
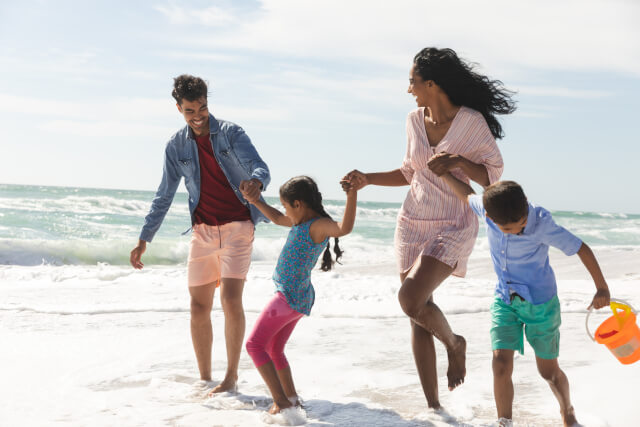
{"points": [[218, 202]]}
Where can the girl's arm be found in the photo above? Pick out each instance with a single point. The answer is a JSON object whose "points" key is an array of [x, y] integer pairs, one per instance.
{"points": [[270, 212], [326, 227], [461, 189], [602, 297]]}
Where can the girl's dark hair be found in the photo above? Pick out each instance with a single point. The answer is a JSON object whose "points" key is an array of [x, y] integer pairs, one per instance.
{"points": [[304, 189], [464, 86], [188, 87], [505, 202]]}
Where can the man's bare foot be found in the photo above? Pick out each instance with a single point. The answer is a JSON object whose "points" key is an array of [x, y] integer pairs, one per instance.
{"points": [[457, 358], [435, 405], [224, 386], [569, 419]]}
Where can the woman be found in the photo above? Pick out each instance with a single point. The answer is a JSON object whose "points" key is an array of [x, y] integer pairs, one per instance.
{"points": [[454, 129]]}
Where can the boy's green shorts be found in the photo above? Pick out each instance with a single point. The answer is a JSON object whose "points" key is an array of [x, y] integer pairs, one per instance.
{"points": [[541, 325]]}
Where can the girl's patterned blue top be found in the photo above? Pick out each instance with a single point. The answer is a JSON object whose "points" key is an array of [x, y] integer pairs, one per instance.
{"points": [[293, 271]]}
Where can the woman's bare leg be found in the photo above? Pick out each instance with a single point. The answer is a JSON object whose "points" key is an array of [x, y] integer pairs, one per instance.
{"points": [[416, 300], [424, 353]]}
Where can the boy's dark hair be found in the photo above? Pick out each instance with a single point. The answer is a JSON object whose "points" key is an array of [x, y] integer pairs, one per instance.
{"points": [[304, 189], [188, 87], [505, 202]]}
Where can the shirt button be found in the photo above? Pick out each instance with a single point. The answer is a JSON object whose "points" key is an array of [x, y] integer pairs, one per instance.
{"points": [[502, 251], [504, 268]]}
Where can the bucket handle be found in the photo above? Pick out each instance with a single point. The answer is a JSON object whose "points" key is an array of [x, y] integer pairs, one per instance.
{"points": [[586, 321]]}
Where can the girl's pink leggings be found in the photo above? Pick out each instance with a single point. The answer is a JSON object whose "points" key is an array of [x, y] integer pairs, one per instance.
{"points": [[271, 332]]}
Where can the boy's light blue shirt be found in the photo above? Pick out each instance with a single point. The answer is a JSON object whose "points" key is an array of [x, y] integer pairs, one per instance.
{"points": [[235, 154], [521, 261]]}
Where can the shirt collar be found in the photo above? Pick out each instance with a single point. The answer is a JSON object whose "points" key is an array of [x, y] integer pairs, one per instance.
{"points": [[214, 127], [531, 220]]}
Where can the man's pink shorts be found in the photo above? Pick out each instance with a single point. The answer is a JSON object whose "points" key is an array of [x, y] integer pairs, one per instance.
{"points": [[220, 251]]}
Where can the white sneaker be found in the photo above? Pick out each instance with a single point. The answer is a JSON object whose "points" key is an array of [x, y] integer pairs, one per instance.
{"points": [[504, 422]]}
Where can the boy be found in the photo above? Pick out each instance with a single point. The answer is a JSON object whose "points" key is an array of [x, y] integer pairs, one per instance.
{"points": [[519, 236]]}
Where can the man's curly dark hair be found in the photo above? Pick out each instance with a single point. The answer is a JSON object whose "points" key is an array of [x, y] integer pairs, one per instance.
{"points": [[188, 87]]}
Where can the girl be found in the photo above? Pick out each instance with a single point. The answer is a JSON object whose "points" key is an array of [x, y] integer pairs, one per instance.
{"points": [[311, 228]]}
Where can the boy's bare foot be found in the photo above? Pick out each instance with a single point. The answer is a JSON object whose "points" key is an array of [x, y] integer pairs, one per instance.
{"points": [[224, 386], [457, 358]]}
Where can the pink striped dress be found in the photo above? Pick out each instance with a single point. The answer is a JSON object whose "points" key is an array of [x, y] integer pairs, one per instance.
{"points": [[432, 220]]}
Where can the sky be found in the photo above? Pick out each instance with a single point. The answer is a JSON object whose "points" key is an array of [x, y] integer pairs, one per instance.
{"points": [[319, 86]]}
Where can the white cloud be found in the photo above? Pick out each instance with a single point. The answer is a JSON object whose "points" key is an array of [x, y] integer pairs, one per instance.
{"points": [[562, 92], [547, 34], [125, 109], [122, 117], [106, 129], [200, 56], [210, 16]]}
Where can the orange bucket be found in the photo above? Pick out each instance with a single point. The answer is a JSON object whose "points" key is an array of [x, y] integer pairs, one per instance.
{"points": [[619, 333]]}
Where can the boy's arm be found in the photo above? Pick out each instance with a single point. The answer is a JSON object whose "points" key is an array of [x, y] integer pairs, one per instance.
{"points": [[443, 162], [602, 297], [461, 189]]}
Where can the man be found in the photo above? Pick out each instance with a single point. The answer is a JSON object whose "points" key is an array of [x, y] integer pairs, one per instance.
{"points": [[218, 161]]}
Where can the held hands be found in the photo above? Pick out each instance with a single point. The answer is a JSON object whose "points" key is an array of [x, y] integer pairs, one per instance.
{"points": [[601, 299], [443, 162], [251, 190], [354, 181]]}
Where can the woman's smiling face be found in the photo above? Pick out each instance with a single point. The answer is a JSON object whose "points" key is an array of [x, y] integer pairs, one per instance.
{"points": [[418, 87]]}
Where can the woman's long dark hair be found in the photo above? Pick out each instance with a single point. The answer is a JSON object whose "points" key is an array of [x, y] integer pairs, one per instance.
{"points": [[304, 189], [464, 86]]}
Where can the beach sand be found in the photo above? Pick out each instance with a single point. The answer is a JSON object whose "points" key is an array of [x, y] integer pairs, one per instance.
{"points": [[106, 345]]}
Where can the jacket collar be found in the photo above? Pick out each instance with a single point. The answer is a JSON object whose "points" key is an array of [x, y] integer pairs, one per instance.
{"points": [[214, 127]]}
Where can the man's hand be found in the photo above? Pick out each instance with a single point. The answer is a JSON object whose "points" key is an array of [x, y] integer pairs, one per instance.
{"points": [[443, 162], [251, 190], [601, 299], [136, 254]]}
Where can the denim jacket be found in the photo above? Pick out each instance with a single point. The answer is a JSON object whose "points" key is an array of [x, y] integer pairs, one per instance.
{"points": [[235, 154]]}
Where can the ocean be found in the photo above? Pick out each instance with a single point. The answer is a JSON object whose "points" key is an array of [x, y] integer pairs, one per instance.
{"points": [[87, 340], [80, 226]]}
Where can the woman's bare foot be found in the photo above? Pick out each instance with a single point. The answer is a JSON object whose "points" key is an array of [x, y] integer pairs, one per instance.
{"points": [[457, 358], [224, 386]]}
